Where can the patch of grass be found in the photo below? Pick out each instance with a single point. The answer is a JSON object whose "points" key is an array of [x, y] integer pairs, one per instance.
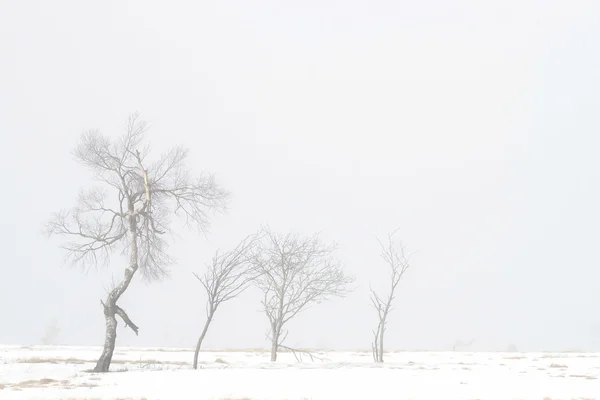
{"points": [[85, 384], [221, 361], [72, 360], [174, 350], [149, 362], [36, 383], [514, 357], [582, 376], [250, 350], [236, 398], [579, 398], [557, 366], [550, 356], [55, 360], [98, 398]]}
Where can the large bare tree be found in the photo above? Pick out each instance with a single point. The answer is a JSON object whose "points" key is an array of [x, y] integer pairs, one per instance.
{"points": [[131, 211], [295, 272], [394, 256], [226, 277]]}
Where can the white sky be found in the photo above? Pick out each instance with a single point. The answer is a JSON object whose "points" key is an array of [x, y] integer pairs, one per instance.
{"points": [[470, 125]]}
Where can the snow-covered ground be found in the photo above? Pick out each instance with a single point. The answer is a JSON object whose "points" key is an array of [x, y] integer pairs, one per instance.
{"points": [[60, 372]]}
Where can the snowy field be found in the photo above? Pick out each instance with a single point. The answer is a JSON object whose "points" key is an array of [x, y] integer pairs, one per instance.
{"points": [[60, 372]]}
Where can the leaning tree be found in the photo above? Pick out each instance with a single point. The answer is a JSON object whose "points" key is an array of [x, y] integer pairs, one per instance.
{"points": [[393, 254], [226, 277], [295, 272], [131, 211]]}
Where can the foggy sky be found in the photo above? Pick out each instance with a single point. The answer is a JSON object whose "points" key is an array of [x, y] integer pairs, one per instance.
{"points": [[472, 126]]}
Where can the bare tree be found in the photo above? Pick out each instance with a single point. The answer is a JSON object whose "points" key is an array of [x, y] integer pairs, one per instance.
{"points": [[51, 332], [131, 211], [459, 344], [295, 272], [226, 277], [394, 255]]}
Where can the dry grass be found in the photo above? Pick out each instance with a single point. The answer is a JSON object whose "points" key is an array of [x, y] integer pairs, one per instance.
{"points": [[552, 355], [98, 398], [151, 361], [35, 383], [72, 360], [237, 398], [557, 366], [583, 376], [42, 383], [55, 360], [250, 350], [84, 384]]}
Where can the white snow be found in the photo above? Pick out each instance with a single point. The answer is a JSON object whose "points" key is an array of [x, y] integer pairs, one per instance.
{"points": [[60, 372]]}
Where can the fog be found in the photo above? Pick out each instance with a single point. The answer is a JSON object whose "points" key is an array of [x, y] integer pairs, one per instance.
{"points": [[471, 127]]}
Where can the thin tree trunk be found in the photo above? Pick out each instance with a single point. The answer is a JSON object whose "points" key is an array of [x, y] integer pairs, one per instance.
{"points": [[375, 349], [204, 330], [381, 340]]}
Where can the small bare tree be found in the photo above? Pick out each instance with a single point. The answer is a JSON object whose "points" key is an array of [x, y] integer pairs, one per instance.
{"points": [[394, 256], [226, 277], [295, 272], [51, 332], [131, 212], [459, 345]]}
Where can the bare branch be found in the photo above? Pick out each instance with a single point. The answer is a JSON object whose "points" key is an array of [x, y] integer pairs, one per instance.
{"points": [[92, 239], [147, 195], [230, 273], [128, 323], [394, 256], [225, 278], [132, 210], [299, 352], [295, 273], [192, 199]]}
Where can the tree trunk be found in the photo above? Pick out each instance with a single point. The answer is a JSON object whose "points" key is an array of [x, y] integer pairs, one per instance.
{"points": [[274, 344], [381, 341], [204, 330], [111, 309], [110, 339]]}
